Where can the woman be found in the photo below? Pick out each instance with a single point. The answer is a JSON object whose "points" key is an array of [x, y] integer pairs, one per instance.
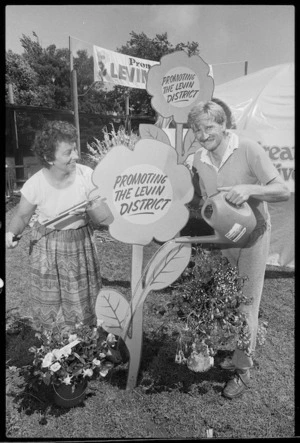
{"points": [[65, 270]]}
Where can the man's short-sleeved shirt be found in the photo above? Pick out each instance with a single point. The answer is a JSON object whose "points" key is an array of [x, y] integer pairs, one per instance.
{"points": [[244, 162]]}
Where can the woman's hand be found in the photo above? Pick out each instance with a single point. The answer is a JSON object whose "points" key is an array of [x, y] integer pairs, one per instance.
{"points": [[79, 211], [11, 240]]}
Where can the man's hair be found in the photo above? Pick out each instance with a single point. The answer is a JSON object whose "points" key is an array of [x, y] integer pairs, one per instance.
{"points": [[208, 109], [48, 138]]}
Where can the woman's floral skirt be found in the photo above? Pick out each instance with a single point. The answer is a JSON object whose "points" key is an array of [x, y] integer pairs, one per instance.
{"points": [[65, 276]]}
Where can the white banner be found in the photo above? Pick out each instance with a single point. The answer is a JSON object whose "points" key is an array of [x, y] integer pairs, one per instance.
{"points": [[120, 69], [263, 104]]}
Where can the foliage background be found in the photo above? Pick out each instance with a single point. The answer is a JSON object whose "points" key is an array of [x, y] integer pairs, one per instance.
{"points": [[40, 78]]}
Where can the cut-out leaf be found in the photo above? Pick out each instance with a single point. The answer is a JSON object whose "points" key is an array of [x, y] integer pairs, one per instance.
{"points": [[167, 265], [152, 131], [111, 307], [190, 144]]}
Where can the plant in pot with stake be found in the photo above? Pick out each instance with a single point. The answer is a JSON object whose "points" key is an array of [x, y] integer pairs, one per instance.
{"points": [[207, 305], [68, 360]]}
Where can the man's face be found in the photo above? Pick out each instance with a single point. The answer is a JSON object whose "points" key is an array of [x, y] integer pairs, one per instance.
{"points": [[209, 133]]}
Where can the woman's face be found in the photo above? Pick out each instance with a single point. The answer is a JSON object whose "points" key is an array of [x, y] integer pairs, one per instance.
{"points": [[66, 156], [209, 133]]}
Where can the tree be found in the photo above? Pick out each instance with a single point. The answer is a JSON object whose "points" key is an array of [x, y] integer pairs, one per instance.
{"points": [[41, 77], [92, 98]]}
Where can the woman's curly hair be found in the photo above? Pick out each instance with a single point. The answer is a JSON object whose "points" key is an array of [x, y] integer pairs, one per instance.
{"points": [[47, 140]]}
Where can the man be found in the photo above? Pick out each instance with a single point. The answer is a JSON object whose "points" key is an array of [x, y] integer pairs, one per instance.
{"points": [[241, 168]]}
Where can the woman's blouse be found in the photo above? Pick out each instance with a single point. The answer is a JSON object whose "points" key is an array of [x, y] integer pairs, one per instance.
{"points": [[51, 201]]}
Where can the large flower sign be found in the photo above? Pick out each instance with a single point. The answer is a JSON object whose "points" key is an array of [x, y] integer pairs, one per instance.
{"points": [[146, 191]]}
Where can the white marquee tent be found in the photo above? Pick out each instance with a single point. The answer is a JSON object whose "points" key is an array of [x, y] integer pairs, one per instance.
{"points": [[262, 104]]}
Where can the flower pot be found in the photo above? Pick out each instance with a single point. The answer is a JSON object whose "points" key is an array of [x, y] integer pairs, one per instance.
{"points": [[68, 396]]}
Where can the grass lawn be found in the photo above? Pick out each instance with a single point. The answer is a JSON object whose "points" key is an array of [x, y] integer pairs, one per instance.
{"points": [[169, 401]]}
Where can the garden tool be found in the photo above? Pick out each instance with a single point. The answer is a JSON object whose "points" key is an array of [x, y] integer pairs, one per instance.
{"points": [[232, 224], [89, 205]]}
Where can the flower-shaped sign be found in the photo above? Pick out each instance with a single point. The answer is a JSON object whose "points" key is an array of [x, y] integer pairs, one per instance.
{"points": [[178, 83], [145, 190]]}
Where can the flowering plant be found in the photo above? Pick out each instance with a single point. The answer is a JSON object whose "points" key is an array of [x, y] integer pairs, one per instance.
{"points": [[72, 357], [98, 149], [210, 293]]}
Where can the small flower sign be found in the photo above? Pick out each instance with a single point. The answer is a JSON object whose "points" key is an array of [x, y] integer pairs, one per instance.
{"points": [[178, 83]]}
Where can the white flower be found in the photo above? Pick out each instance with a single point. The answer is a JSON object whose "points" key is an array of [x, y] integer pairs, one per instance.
{"points": [[55, 367], [96, 362], [199, 363], [105, 368], [67, 380], [87, 372], [66, 350], [102, 355], [48, 359], [72, 337], [111, 339], [179, 357]]}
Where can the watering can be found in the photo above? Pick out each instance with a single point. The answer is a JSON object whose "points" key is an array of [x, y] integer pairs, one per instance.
{"points": [[232, 224]]}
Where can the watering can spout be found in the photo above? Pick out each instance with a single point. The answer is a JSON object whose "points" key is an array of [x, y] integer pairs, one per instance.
{"points": [[232, 224], [202, 239]]}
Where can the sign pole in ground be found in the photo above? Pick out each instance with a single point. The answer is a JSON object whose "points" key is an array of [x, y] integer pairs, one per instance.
{"points": [[74, 96]]}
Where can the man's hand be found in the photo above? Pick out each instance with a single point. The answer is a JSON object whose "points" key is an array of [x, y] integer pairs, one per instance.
{"points": [[237, 194]]}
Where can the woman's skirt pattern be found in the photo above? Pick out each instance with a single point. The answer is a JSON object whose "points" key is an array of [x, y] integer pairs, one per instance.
{"points": [[65, 276]]}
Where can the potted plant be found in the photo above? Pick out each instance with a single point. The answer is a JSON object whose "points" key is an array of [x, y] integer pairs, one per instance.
{"points": [[67, 360], [208, 297]]}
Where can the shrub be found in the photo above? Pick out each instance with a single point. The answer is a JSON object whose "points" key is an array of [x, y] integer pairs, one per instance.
{"points": [[208, 297], [98, 149]]}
